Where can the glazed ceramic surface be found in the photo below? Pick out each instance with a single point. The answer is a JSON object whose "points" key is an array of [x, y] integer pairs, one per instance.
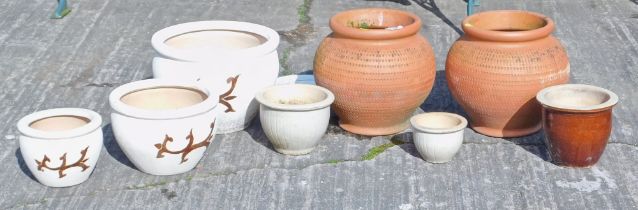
{"points": [[379, 76], [238, 55], [496, 68], [438, 136], [61, 146], [164, 126], [577, 121], [295, 117]]}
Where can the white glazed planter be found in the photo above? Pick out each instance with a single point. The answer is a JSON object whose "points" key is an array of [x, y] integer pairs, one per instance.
{"points": [[163, 126], [61, 146], [242, 56], [294, 117], [438, 136]]}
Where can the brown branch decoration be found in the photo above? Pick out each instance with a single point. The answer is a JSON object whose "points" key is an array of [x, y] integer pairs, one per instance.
{"points": [[162, 148], [80, 163], [224, 98]]}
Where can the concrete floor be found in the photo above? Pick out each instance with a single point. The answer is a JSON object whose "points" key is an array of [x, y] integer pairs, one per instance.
{"points": [[78, 60]]}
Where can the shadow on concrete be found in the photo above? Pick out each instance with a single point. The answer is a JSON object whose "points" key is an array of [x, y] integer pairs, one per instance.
{"points": [[440, 98], [431, 6], [113, 148], [23, 165], [258, 135], [634, 1], [403, 2], [534, 143], [405, 141]]}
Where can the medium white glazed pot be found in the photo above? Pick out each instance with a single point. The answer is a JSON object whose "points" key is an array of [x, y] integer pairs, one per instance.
{"points": [[164, 126], [61, 146], [294, 117], [438, 135], [242, 56]]}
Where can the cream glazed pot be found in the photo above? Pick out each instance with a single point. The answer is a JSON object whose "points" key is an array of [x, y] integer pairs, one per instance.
{"points": [[294, 117], [164, 126], [438, 136], [242, 56], [61, 146]]}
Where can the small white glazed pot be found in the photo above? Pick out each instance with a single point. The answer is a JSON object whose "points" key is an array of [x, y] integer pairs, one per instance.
{"points": [[61, 146], [295, 117], [438, 135], [242, 56], [164, 126]]}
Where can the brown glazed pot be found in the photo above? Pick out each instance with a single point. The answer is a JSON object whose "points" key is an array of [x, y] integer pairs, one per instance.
{"points": [[577, 122], [496, 68], [379, 76]]}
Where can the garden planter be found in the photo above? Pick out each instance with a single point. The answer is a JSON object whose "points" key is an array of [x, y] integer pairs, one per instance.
{"points": [[61, 146], [577, 122], [378, 66], [496, 68], [164, 127], [438, 136], [294, 117], [241, 56]]}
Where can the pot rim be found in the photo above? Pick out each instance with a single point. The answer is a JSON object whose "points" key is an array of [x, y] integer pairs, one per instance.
{"points": [[421, 128], [158, 40], [340, 28], [211, 101], [507, 36], [330, 97], [95, 121], [541, 97]]}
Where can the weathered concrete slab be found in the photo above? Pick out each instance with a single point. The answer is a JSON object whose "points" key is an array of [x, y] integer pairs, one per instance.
{"points": [[78, 60]]}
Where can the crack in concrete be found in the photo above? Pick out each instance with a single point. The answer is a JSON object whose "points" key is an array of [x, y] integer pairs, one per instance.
{"points": [[297, 37]]}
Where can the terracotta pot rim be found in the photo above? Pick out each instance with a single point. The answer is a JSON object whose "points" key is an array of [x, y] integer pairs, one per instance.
{"points": [[338, 24], [115, 100], [610, 101], [414, 121], [325, 102], [471, 29], [95, 121]]}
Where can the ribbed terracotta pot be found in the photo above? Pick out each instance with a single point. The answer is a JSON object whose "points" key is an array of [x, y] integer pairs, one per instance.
{"points": [[496, 68], [378, 66], [577, 122]]}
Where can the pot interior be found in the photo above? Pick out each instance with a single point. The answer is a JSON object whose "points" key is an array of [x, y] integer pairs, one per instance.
{"points": [[59, 123], [375, 19], [437, 121], [164, 98], [298, 95], [575, 97], [215, 39], [508, 21]]}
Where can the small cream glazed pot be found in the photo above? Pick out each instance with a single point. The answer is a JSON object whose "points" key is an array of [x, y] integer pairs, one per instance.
{"points": [[438, 136], [295, 117], [242, 56], [61, 146], [164, 126]]}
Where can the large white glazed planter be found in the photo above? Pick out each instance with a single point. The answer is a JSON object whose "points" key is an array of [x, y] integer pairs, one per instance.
{"points": [[164, 126], [61, 146], [242, 56]]}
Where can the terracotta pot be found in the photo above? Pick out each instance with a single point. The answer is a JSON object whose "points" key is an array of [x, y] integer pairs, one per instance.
{"points": [[496, 68], [240, 56], [379, 76], [577, 122]]}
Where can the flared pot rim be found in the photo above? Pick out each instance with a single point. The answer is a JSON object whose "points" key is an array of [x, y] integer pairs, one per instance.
{"points": [[95, 121], [325, 102], [414, 121], [471, 26], [610, 100], [339, 24], [160, 37]]}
